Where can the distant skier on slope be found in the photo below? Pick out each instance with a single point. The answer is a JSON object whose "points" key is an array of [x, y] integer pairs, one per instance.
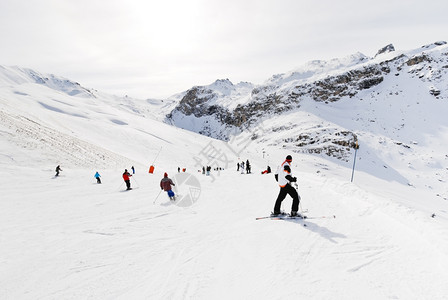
{"points": [[58, 169], [127, 179], [97, 176], [165, 184], [267, 171], [284, 178]]}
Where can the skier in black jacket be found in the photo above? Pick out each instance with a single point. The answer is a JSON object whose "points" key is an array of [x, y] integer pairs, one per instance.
{"points": [[58, 169]]}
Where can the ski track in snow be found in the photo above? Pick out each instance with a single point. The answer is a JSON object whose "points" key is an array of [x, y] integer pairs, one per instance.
{"points": [[76, 241]]}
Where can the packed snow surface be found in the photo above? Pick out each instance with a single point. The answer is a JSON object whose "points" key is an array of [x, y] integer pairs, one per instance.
{"points": [[68, 237]]}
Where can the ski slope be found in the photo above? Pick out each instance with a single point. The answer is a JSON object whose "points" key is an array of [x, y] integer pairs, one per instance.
{"points": [[67, 237], [70, 238]]}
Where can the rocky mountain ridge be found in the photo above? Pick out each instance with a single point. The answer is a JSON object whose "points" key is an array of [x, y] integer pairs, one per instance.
{"points": [[206, 110]]}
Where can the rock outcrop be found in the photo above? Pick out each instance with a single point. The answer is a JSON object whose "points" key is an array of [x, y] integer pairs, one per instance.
{"points": [[202, 108]]}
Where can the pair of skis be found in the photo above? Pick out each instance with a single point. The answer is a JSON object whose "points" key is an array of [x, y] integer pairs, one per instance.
{"points": [[288, 217]]}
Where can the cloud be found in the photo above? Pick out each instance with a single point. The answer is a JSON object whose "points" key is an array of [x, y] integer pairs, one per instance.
{"points": [[158, 48]]}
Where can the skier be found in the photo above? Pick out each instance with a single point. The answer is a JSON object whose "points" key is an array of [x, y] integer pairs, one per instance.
{"points": [[267, 171], [58, 169], [237, 167], [126, 178], [97, 176], [284, 178], [165, 184], [242, 167], [247, 167]]}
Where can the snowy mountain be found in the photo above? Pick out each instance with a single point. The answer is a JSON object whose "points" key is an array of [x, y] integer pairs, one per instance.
{"points": [[355, 77], [18, 76], [68, 237], [393, 103]]}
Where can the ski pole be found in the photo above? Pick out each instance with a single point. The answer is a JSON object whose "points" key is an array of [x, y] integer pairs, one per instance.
{"points": [[120, 185], [138, 185], [157, 156], [157, 197]]}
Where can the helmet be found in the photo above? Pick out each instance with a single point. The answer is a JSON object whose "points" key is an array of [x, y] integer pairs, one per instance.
{"points": [[289, 158], [165, 175]]}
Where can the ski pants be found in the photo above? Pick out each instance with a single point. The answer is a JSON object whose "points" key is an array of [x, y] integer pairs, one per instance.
{"points": [[287, 190], [128, 184]]}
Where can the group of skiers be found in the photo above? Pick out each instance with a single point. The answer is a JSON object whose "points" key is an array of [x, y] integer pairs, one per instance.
{"points": [[285, 180], [97, 175], [165, 183], [206, 170], [244, 167], [283, 176]]}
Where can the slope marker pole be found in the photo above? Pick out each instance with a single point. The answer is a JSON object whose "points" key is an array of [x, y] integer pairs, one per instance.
{"points": [[354, 160]]}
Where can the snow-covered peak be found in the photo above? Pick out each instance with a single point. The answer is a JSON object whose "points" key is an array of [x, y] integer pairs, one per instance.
{"points": [[315, 68], [225, 87], [17, 76], [224, 84], [435, 44], [385, 49]]}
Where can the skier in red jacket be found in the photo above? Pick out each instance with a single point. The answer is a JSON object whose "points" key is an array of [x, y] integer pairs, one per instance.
{"points": [[165, 184], [126, 178]]}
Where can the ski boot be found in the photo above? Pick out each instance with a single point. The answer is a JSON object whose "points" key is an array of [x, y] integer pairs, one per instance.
{"points": [[278, 214]]}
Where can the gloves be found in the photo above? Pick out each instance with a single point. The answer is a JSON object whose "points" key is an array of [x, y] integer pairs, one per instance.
{"points": [[294, 179]]}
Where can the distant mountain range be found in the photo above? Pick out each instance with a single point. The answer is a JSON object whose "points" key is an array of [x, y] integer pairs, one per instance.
{"points": [[393, 105], [217, 110]]}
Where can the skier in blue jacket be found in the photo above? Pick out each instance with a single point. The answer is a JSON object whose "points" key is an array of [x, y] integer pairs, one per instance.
{"points": [[97, 176]]}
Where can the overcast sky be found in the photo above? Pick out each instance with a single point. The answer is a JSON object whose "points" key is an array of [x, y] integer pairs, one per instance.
{"points": [[154, 49]]}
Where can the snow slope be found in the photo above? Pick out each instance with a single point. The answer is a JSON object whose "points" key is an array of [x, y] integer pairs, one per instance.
{"points": [[70, 238]]}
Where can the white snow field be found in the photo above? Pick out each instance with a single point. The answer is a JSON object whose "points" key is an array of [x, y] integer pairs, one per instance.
{"points": [[67, 237]]}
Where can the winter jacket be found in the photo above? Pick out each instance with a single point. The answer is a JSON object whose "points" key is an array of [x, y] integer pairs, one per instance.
{"points": [[126, 176], [281, 168], [285, 176], [166, 183], [97, 175]]}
